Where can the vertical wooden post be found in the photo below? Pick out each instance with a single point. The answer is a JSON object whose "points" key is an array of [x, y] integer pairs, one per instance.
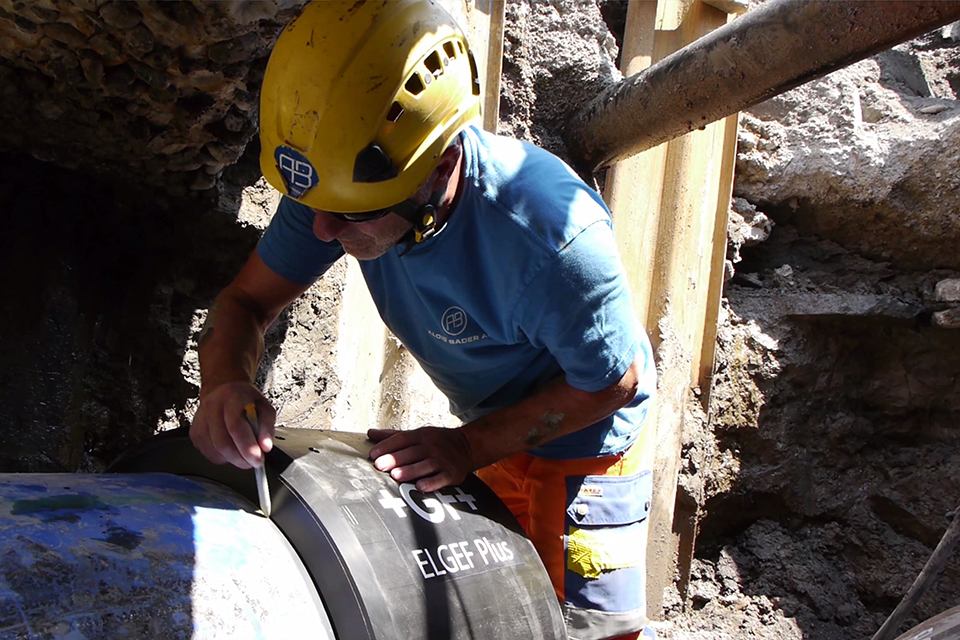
{"points": [[484, 21], [669, 205], [360, 355]]}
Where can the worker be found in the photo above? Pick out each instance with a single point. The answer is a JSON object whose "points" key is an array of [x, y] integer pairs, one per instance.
{"points": [[490, 260]]}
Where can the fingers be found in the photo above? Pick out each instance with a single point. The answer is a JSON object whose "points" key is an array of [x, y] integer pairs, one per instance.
{"points": [[437, 482], [220, 430], [225, 446], [378, 435], [399, 458], [389, 441], [200, 436], [434, 456], [268, 419], [415, 471], [245, 451]]}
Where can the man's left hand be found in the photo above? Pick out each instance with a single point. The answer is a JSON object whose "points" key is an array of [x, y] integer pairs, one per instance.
{"points": [[435, 456]]}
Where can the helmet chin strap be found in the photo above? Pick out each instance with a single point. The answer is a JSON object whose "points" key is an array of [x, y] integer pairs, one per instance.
{"points": [[423, 217]]}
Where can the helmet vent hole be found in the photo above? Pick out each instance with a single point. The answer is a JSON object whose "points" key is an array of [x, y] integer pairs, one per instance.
{"points": [[415, 85], [449, 49], [460, 46], [395, 112], [433, 65], [476, 76]]}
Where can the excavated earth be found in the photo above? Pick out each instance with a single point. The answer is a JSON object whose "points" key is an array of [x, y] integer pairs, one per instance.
{"points": [[824, 464], [828, 464]]}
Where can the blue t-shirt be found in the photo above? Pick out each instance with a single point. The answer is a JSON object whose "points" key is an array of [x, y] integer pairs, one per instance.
{"points": [[523, 283]]}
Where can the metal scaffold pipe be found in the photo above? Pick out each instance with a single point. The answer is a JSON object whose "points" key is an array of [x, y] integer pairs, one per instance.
{"points": [[773, 48]]}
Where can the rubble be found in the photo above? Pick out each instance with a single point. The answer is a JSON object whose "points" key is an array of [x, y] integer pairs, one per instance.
{"points": [[138, 92]]}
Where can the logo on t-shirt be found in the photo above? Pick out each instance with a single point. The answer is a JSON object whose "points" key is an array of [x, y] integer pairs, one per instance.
{"points": [[454, 321]]}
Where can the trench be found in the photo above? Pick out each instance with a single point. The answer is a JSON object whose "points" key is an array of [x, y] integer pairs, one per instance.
{"points": [[829, 461]]}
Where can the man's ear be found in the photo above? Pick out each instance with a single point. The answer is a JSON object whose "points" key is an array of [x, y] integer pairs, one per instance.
{"points": [[448, 162]]}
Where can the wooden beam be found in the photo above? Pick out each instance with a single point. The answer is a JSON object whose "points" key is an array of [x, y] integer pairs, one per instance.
{"points": [[669, 205], [483, 21], [494, 66]]}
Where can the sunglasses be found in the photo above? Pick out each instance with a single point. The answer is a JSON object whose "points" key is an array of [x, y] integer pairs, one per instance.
{"points": [[406, 210], [361, 216]]}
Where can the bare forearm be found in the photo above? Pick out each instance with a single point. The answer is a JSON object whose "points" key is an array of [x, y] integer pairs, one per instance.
{"points": [[555, 410], [231, 342]]}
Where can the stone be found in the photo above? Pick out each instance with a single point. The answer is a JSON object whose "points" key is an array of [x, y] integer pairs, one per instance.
{"points": [[106, 46], [244, 100], [207, 81], [934, 109], [183, 13], [162, 96], [69, 59], [149, 75], [121, 72], [203, 181], [137, 41], [819, 161], [223, 153], [119, 77], [92, 67], [48, 109], [952, 31], [45, 15], [185, 161], [86, 23], [947, 290], [235, 121], [188, 65], [947, 319], [233, 50], [161, 58], [252, 10], [25, 25], [67, 72], [236, 71], [175, 147], [64, 33], [15, 42], [120, 15]]}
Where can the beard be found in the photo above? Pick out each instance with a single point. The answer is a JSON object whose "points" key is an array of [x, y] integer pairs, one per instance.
{"points": [[367, 249], [366, 243]]}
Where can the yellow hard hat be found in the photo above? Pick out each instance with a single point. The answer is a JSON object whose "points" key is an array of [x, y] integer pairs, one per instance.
{"points": [[360, 99]]}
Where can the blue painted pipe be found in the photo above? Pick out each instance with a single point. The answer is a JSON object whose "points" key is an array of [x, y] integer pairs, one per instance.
{"points": [[147, 555]]}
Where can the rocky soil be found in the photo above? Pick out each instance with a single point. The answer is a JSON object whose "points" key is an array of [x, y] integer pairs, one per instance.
{"points": [[830, 464], [163, 93]]}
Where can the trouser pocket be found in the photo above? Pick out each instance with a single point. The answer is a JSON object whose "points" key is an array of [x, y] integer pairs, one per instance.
{"points": [[605, 549]]}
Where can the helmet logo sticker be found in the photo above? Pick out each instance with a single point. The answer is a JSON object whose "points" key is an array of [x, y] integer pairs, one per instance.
{"points": [[297, 172], [454, 321]]}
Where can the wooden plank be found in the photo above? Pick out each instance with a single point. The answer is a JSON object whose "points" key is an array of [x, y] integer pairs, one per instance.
{"points": [[635, 219], [666, 204], [493, 66], [709, 339], [483, 22]]}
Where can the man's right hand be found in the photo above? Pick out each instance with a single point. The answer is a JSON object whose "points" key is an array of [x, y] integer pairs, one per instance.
{"points": [[221, 432]]}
